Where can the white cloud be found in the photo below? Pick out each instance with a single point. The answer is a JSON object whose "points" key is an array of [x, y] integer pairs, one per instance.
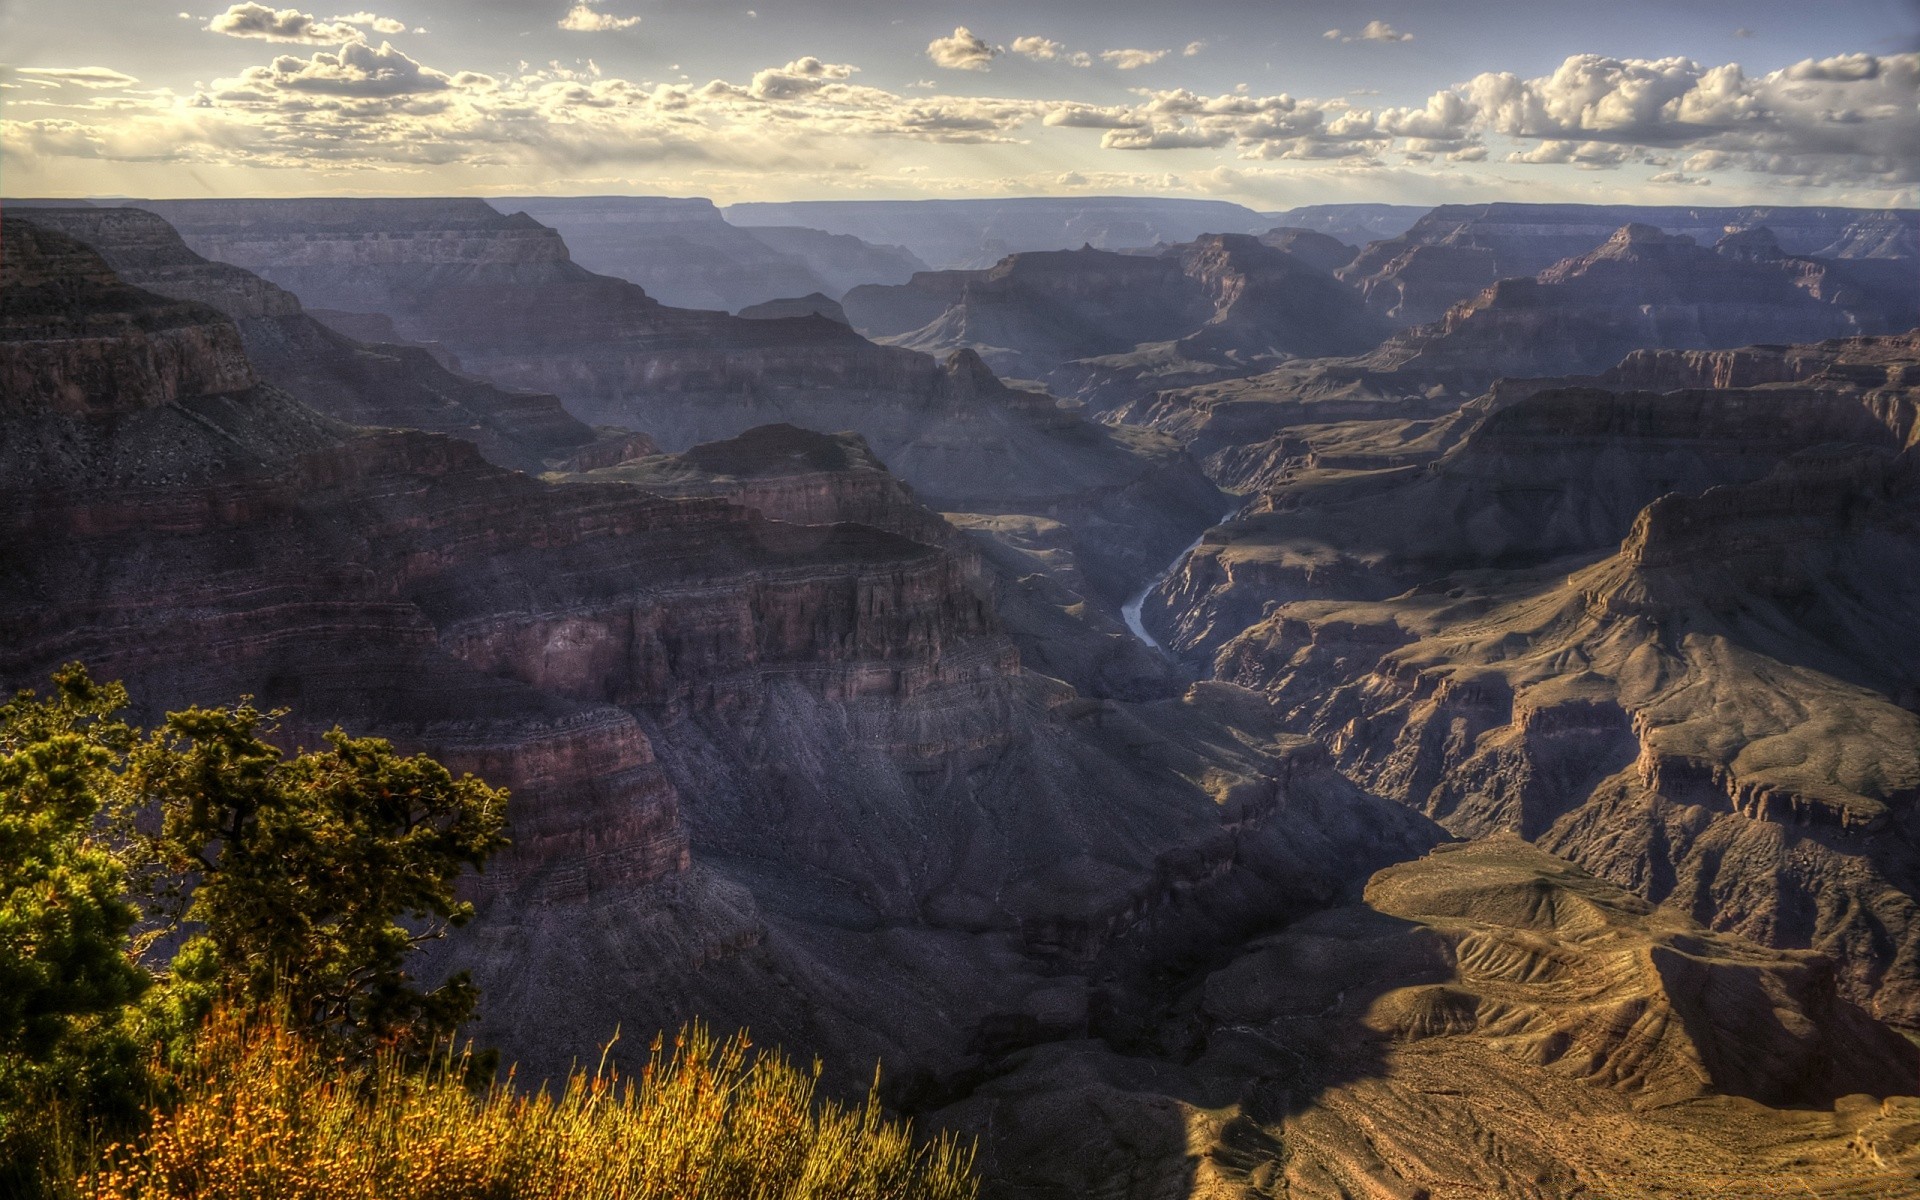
{"points": [[582, 18], [1373, 31], [358, 70], [961, 52], [1380, 31], [797, 78], [1193, 48], [1850, 116], [1128, 60], [86, 77], [1039, 49], [282, 25], [378, 24]]}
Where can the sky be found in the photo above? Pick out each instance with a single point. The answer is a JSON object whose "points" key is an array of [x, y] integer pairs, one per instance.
{"points": [[1269, 103]]}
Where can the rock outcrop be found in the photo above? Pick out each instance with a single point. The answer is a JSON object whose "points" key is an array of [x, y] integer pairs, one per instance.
{"points": [[381, 384], [813, 304]]}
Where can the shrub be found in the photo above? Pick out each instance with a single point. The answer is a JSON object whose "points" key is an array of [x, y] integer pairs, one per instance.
{"points": [[267, 1113]]}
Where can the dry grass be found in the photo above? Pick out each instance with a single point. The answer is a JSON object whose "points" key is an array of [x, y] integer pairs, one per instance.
{"points": [[263, 1115]]}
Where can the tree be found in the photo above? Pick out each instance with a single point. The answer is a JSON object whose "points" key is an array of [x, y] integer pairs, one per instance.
{"points": [[302, 869], [67, 972]]}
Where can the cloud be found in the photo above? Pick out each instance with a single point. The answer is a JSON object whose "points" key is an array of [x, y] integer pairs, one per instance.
{"points": [[1193, 48], [1850, 116], [582, 18], [282, 25], [1041, 49], [797, 78], [961, 52], [86, 77], [1846, 121], [358, 70], [1373, 31], [1128, 60], [376, 23]]}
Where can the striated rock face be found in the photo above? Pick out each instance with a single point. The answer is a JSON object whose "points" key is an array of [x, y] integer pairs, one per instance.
{"points": [[385, 385], [790, 474], [1666, 636], [1487, 995], [91, 344], [1456, 250]]}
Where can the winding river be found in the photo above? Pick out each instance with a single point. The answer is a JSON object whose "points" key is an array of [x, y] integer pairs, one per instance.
{"points": [[1130, 611]]}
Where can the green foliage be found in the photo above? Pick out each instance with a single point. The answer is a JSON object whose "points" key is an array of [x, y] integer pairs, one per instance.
{"points": [[304, 868], [66, 970]]}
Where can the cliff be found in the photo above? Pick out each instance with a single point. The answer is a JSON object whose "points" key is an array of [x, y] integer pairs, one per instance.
{"points": [[382, 385]]}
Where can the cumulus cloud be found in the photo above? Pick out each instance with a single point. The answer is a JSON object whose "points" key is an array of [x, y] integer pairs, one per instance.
{"points": [[1373, 31], [1039, 49], [798, 78], [282, 25], [358, 70], [1193, 48], [374, 22], [1129, 60], [583, 18], [1850, 115], [86, 77], [961, 52]]}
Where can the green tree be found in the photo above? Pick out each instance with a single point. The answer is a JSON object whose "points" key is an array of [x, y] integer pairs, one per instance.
{"points": [[303, 869], [67, 972]]}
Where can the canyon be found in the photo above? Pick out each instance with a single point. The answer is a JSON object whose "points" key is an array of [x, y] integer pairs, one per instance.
{"points": [[1517, 793]]}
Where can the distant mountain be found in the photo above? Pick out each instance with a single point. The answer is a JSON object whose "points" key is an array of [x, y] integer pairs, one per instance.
{"points": [[1218, 306], [1356, 223], [1457, 249], [979, 233], [685, 254]]}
